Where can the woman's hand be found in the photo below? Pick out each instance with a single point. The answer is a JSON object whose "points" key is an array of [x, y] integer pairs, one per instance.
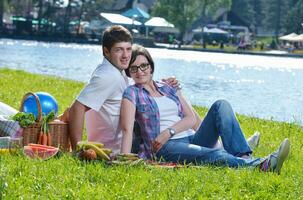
{"points": [[160, 140]]}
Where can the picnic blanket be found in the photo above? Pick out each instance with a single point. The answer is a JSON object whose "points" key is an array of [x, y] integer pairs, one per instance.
{"points": [[7, 110], [9, 127]]}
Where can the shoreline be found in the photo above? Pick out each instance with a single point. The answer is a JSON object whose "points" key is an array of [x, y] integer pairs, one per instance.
{"points": [[147, 42]]}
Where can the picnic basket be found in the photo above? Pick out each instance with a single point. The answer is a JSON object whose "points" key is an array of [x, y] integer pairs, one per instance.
{"points": [[57, 129]]}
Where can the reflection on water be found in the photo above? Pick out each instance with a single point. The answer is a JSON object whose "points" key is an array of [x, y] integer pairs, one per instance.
{"points": [[267, 87]]}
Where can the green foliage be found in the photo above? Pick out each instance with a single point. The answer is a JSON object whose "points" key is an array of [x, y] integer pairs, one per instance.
{"points": [[188, 10], [24, 119], [65, 177], [291, 23]]}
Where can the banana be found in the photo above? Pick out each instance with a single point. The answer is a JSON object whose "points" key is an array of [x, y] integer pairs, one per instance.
{"points": [[129, 155], [100, 153], [83, 144], [125, 157], [107, 151]]}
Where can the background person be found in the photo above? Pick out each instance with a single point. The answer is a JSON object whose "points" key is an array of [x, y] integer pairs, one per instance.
{"points": [[166, 119]]}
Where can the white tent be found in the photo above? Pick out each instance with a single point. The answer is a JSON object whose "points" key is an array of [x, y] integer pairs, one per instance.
{"points": [[215, 30], [160, 25], [159, 22], [166, 30], [288, 37], [209, 30], [119, 19], [298, 38]]}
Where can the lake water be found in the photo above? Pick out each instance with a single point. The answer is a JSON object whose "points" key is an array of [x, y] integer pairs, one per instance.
{"points": [[262, 86]]}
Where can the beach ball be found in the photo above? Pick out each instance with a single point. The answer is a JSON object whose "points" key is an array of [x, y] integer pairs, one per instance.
{"points": [[47, 101]]}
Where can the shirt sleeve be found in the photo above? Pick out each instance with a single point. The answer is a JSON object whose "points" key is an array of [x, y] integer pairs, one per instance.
{"points": [[129, 93], [97, 91]]}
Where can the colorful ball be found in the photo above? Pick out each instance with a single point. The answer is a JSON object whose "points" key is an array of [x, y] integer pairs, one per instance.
{"points": [[47, 101]]}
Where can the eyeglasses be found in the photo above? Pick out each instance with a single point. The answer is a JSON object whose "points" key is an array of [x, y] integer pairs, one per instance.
{"points": [[143, 67]]}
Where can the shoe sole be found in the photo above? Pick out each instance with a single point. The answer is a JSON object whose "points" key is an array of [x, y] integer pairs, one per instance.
{"points": [[283, 154], [253, 146]]}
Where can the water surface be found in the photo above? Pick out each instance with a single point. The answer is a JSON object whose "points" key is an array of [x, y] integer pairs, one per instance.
{"points": [[262, 86]]}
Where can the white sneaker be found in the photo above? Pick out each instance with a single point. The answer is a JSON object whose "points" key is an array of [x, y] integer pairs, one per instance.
{"points": [[253, 141], [275, 160]]}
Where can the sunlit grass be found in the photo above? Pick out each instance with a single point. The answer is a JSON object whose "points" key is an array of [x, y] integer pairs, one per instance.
{"points": [[66, 177]]}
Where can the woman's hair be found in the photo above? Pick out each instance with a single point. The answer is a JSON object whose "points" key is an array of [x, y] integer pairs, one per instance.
{"points": [[140, 50], [115, 34]]}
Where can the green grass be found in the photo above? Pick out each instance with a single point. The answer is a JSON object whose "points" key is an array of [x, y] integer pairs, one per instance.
{"points": [[66, 177]]}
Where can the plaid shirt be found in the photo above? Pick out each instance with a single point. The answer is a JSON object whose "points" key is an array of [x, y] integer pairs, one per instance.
{"points": [[147, 112]]}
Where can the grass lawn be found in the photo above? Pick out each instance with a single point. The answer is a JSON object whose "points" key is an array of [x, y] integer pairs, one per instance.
{"points": [[66, 177]]}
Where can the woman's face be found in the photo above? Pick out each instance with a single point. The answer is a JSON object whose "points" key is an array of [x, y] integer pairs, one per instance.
{"points": [[140, 70]]}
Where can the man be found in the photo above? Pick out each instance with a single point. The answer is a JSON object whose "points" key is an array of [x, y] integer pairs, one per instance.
{"points": [[99, 101]]}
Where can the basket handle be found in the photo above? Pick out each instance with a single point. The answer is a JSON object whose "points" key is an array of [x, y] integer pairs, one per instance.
{"points": [[39, 117]]}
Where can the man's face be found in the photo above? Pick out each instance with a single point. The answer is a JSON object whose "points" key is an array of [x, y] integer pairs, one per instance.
{"points": [[119, 55]]}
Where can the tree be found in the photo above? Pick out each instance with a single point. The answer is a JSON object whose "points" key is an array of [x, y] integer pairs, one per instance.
{"points": [[293, 19], [182, 13], [276, 12]]}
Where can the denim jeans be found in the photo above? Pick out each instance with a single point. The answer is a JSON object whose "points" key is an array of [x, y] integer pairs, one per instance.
{"points": [[220, 121]]}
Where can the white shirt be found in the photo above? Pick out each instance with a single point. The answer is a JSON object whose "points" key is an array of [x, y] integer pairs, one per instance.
{"points": [[168, 110], [103, 94]]}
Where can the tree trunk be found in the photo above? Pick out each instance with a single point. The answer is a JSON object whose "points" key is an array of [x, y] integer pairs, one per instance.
{"points": [[278, 22], [66, 18], [80, 17], [1, 14], [40, 15]]}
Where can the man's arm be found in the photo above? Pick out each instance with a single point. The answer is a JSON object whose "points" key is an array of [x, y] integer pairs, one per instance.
{"points": [[76, 121]]}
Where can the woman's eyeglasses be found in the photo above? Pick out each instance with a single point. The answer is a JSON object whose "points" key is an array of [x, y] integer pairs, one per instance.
{"points": [[134, 68]]}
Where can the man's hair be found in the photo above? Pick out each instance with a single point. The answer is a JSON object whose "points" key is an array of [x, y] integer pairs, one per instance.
{"points": [[115, 34], [138, 50]]}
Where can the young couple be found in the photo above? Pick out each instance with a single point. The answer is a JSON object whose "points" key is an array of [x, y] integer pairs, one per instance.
{"points": [[169, 127]]}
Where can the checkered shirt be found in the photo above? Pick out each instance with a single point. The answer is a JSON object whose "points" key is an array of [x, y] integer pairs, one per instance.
{"points": [[147, 111]]}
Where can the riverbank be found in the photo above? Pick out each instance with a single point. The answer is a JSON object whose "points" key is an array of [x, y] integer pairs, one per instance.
{"points": [[278, 53], [35, 179], [149, 42]]}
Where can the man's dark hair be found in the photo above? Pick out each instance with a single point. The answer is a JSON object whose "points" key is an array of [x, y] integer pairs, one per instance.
{"points": [[138, 50], [115, 34]]}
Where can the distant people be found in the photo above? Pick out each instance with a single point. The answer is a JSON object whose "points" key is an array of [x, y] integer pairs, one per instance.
{"points": [[204, 45], [241, 45], [170, 39], [221, 45], [99, 101], [261, 46], [166, 121]]}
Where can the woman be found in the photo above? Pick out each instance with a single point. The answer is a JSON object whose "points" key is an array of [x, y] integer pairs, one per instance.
{"points": [[166, 119]]}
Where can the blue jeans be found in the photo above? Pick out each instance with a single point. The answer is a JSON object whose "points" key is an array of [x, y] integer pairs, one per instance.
{"points": [[220, 121]]}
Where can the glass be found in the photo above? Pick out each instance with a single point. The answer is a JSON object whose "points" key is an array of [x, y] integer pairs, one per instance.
{"points": [[15, 144], [134, 68]]}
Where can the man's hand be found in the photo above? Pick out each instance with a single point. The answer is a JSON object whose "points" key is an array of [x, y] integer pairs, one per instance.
{"points": [[160, 141], [172, 81]]}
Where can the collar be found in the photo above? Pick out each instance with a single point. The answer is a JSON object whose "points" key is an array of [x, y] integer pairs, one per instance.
{"points": [[108, 63], [157, 84]]}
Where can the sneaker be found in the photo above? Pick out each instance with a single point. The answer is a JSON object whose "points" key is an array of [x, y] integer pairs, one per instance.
{"points": [[275, 160], [253, 141]]}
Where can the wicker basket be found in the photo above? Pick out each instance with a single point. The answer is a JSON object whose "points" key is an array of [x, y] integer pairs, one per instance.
{"points": [[57, 129]]}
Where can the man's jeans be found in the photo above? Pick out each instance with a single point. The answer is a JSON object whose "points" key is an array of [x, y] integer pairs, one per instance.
{"points": [[219, 121]]}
